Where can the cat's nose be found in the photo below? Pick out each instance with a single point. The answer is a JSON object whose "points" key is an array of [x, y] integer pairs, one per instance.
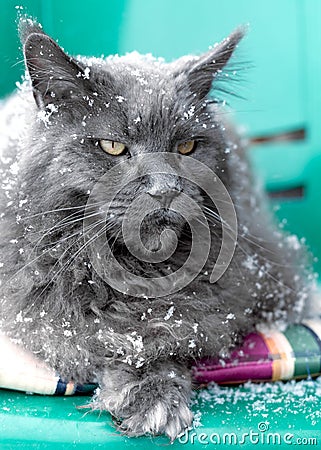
{"points": [[165, 197]]}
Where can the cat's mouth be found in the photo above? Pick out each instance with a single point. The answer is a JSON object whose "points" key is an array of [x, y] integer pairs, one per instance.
{"points": [[159, 230]]}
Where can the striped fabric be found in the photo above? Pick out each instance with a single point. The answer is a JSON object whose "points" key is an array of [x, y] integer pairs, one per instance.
{"points": [[71, 388], [23, 371], [272, 356]]}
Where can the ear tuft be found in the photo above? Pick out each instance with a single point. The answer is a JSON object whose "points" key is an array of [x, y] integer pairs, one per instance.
{"points": [[201, 73], [28, 26], [55, 76]]}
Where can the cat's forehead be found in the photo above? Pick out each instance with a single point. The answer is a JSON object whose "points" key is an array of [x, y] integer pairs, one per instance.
{"points": [[136, 76], [140, 74], [141, 68], [137, 59], [141, 85], [141, 96]]}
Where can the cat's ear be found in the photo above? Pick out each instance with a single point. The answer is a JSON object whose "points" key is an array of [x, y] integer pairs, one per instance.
{"points": [[202, 71], [54, 75]]}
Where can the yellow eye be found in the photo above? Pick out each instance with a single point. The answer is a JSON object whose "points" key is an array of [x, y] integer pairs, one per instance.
{"points": [[186, 147], [112, 147]]}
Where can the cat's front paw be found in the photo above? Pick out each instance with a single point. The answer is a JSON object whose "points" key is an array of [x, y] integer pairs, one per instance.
{"points": [[153, 402], [160, 418]]}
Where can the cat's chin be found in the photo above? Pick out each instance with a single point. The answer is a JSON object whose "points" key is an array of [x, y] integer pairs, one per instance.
{"points": [[159, 243], [157, 240], [152, 237], [153, 243], [161, 235]]}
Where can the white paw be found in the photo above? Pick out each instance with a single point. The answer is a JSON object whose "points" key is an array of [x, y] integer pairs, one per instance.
{"points": [[160, 419]]}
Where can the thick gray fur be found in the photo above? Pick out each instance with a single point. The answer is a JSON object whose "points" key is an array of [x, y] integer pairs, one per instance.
{"points": [[55, 304]]}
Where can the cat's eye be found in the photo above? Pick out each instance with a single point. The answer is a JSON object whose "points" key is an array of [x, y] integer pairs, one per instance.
{"points": [[112, 147], [186, 147]]}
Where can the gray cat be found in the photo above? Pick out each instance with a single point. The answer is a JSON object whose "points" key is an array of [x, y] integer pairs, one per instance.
{"points": [[85, 117]]}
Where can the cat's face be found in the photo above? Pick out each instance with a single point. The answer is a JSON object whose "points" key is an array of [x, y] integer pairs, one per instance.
{"points": [[95, 114]]}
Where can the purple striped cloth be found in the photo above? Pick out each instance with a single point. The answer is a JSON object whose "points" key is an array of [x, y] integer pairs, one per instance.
{"points": [[268, 356]]}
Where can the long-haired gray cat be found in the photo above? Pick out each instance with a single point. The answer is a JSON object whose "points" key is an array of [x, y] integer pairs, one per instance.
{"points": [[67, 129]]}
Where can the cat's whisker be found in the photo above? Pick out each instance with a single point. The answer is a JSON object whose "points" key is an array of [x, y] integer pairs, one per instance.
{"points": [[68, 208], [55, 276], [55, 227], [78, 232], [72, 258], [218, 219], [215, 220], [63, 224], [50, 249], [237, 207], [20, 61], [263, 268], [115, 237]]}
